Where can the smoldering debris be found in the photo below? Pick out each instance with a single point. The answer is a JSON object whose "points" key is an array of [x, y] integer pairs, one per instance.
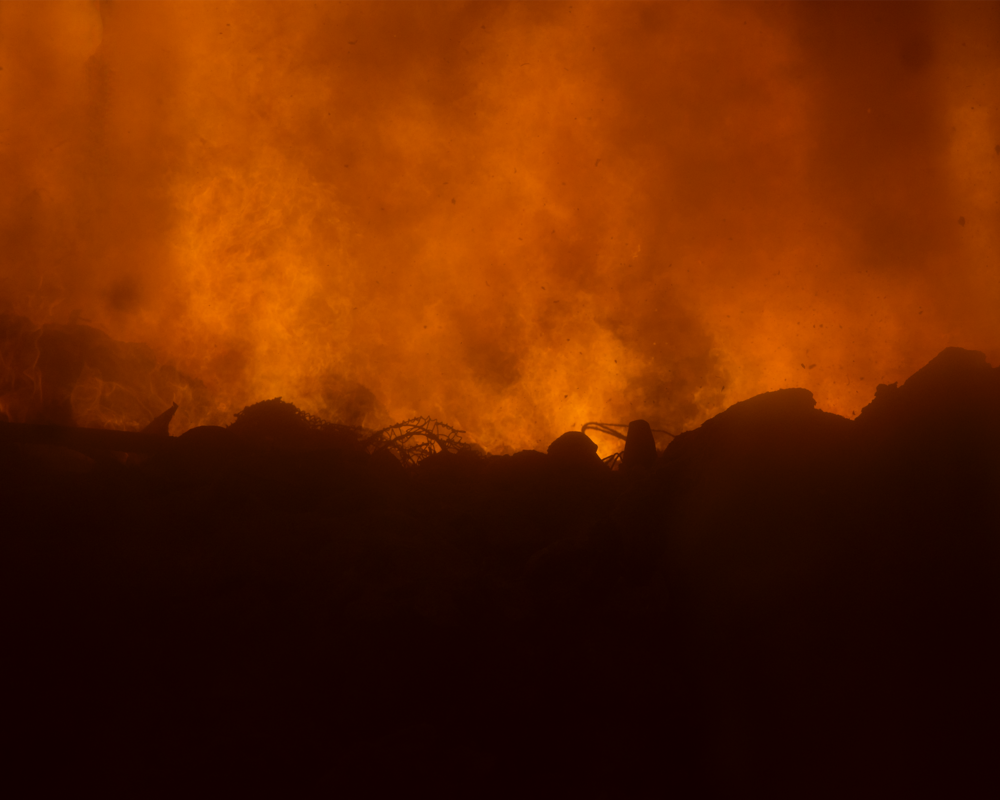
{"points": [[782, 600]]}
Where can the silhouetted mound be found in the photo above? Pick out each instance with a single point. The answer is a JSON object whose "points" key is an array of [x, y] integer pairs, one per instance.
{"points": [[934, 442], [283, 425], [775, 424], [763, 481], [956, 385], [574, 448], [787, 603], [951, 402]]}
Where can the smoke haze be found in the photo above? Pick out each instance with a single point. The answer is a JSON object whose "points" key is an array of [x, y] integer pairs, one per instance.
{"points": [[516, 218]]}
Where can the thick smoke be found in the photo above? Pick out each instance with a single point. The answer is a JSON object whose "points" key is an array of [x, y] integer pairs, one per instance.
{"points": [[514, 217]]}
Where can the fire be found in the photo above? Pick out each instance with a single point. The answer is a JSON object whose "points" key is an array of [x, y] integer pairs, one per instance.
{"points": [[516, 218]]}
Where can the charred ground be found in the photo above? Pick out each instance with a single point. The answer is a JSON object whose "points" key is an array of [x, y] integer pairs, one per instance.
{"points": [[785, 601]]}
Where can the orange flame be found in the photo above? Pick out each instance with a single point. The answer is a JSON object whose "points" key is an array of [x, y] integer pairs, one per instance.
{"points": [[513, 217]]}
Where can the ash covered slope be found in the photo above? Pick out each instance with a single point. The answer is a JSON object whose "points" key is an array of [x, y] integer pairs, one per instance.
{"points": [[788, 601]]}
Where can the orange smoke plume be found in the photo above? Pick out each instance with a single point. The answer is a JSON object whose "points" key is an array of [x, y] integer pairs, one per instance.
{"points": [[513, 217]]}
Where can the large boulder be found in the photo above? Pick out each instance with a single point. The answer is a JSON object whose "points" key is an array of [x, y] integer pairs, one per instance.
{"points": [[574, 448]]}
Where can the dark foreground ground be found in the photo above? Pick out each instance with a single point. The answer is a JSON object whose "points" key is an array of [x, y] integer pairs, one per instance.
{"points": [[787, 604]]}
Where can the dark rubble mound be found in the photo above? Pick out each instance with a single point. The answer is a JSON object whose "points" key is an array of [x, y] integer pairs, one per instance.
{"points": [[775, 426], [761, 482], [935, 440], [574, 446], [850, 569], [783, 605], [277, 423], [956, 393], [575, 454]]}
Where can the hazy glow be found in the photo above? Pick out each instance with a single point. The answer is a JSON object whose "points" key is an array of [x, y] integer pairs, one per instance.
{"points": [[513, 217]]}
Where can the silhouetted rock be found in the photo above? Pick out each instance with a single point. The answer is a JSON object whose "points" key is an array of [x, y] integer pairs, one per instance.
{"points": [[574, 447], [161, 425], [640, 447], [529, 463]]}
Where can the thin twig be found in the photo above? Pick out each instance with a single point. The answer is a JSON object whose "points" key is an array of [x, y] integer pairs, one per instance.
{"points": [[415, 439]]}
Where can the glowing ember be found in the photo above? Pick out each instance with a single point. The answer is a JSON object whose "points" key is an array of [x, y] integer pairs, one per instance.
{"points": [[515, 218]]}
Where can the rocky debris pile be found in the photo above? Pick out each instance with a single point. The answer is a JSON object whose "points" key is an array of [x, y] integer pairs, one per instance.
{"points": [[277, 424], [782, 601]]}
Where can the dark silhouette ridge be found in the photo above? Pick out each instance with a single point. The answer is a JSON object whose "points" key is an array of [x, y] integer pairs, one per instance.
{"points": [[783, 602]]}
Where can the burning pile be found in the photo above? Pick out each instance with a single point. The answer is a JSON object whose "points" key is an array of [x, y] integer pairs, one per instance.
{"points": [[496, 221], [292, 602]]}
